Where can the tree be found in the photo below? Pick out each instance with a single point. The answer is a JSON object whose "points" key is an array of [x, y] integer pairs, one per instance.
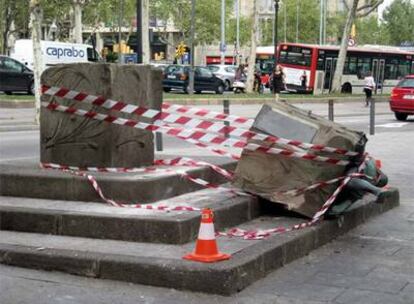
{"points": [[14, 13], [77, 9], [307, 21], [253, 43], [207, 17], [354, 11], [370, 31], [399, 21], [244, 30], [36, 21]]}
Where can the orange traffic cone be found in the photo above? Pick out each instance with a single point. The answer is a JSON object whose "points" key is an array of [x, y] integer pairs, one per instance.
{"points": [[206, 247]]}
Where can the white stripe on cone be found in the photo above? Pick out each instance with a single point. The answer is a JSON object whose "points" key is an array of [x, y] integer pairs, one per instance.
{"points": [[206, 232]]}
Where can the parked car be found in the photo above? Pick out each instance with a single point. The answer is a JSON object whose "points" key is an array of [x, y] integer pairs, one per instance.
{"points": [[15, 76], [177, 77], [225, 73], [402, 98]]}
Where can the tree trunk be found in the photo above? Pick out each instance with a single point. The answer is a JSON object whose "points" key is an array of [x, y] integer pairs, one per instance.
{"points": [[77, 9], [36, 17], [252, 56], [337, 79], [146, 51]]}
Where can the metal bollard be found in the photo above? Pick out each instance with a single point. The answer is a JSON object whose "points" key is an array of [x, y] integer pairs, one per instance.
{"points": [[226, 110], [331, 110], [158, 141], [372, 117]]}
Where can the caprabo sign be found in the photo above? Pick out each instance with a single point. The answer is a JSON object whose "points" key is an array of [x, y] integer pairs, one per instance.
{"points": [[65, 52]]}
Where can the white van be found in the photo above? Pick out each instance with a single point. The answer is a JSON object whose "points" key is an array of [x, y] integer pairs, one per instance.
{"points": [[53, 52]]}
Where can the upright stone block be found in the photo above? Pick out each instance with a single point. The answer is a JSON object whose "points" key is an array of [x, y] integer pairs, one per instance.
{"points": [[78, 141]]}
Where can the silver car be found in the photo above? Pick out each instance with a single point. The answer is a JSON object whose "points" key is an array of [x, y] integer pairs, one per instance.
{"points": [[225, 73]]}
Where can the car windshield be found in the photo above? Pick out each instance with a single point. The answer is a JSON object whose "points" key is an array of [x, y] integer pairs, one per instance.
{"points": [[213, 68], [231, 69], [175, 69], [204, 72], [406, 83]]}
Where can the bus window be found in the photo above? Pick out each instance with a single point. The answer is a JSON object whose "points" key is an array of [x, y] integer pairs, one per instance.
{"points": [[350, 66], [363, 67], [391, 66], [295, 55], [403, 68]]}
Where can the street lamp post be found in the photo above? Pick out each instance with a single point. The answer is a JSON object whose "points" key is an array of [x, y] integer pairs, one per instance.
{"points": [[275, 42]]}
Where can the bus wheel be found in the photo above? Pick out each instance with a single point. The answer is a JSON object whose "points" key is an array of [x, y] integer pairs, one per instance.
{"points": [[346, 88]]}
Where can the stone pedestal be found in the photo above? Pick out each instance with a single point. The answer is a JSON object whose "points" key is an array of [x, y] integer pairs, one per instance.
{"points": [[79, 141], [270, 174]]}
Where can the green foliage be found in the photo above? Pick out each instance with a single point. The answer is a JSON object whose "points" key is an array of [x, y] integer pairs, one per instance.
{"points": [[308, 22], [399, 21], [17, 11], [207, 17], [244, 31], [370, 31]]}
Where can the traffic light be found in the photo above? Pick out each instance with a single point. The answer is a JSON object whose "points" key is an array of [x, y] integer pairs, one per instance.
{"points": [[180, 50]]}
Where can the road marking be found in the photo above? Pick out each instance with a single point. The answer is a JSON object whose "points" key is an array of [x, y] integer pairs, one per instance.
{"points": [[393, 125], [18, 158]]}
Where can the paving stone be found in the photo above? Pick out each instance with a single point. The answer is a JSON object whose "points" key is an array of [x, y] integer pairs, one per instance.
{"points": [[312, 292], [357, 296], [393, 273], [340, 280], [409, 289], [346, 265]]}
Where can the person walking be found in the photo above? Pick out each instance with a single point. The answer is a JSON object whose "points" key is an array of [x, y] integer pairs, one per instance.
{"points": [[240, 74], [279, 83], [303, 80], [368, 88]]}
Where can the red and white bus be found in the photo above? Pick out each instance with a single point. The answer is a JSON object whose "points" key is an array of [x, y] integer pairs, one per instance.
{"points": [[387, 64]]}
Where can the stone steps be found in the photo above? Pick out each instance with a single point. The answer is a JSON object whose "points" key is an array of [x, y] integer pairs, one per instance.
{"points": [[162, 264], [29, 180], [102, 221]]}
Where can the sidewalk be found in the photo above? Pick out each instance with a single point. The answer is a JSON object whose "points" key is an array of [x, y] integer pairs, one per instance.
{"points": [[210, 99], [374, 263], [371, 264]]}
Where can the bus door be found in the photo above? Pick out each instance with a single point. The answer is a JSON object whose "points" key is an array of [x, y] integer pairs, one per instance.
{"points": [[378, 73], [330, 65]]}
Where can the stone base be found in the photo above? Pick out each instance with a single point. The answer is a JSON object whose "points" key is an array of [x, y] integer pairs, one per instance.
{"points": [[162, 264]]}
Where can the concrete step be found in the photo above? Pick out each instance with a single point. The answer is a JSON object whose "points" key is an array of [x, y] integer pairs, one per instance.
{"points": [[102, 221], [28, 180], [162, 264]]}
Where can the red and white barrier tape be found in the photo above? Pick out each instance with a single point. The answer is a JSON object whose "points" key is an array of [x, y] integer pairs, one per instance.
{"points": [[207, 114], [205, 139], [318, 185], [184, 161], [160, 118], [179, 161], [195, 135], [259, 234], [114, 203], [183, 173]]}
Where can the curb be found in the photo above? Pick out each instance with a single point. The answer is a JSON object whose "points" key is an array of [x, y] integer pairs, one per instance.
{"points": [[19, 104], [225, 278]]}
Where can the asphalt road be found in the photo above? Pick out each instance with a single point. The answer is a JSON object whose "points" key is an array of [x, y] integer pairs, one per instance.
{"points": [[19, 136]]}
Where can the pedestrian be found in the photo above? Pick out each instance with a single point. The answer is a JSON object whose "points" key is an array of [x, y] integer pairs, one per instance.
{"points": [[279, 83], [240, 74], [368, 88], [303, 80], [257, 84]]}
